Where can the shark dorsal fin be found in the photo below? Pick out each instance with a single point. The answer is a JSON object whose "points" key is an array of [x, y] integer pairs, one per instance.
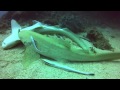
{"points": [[15, 26]]}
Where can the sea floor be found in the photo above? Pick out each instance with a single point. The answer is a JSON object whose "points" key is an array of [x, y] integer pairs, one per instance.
{"points": [[11, 67]]}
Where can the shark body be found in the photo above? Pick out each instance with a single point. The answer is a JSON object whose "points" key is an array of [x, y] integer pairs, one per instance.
{"points": [[39, 27], [57, 49]]}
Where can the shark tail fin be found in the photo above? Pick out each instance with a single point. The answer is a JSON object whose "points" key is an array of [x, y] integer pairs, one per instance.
{"points": [[15, 26]]}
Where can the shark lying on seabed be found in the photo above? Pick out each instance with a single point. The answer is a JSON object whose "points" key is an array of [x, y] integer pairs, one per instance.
{"points": [[39, 27], [60, 50]]}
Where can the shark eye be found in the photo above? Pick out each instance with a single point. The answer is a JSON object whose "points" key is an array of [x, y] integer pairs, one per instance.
{"points": [[3, 43]]}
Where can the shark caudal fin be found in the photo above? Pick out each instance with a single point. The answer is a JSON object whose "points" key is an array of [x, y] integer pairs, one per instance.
{"points": [[15, 26]]}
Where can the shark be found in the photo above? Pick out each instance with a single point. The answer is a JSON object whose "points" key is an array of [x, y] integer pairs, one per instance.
{"points": [[13, 39], [57, 49], [61, 50], [42, 28]]}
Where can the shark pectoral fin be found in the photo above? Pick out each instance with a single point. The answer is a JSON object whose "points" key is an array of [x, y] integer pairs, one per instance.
{"points": [[29, 56], [64, 67], [34, 44]]}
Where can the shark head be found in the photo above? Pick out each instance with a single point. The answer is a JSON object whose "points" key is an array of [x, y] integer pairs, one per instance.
{"points": [[13, 39], [10, 41]]}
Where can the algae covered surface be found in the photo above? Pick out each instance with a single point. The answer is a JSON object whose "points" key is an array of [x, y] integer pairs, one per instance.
{"points": [[11, 63]]}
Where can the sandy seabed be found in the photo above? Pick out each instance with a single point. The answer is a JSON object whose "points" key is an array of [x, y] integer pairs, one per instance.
{"points": [[11, 67]]}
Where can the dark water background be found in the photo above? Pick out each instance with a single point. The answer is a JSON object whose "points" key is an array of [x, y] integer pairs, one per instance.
{"points": [[2, 13], [108, 18]]}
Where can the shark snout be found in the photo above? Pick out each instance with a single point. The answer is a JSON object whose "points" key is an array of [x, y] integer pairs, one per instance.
{"points": [[4, 45], [10, 41]]}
